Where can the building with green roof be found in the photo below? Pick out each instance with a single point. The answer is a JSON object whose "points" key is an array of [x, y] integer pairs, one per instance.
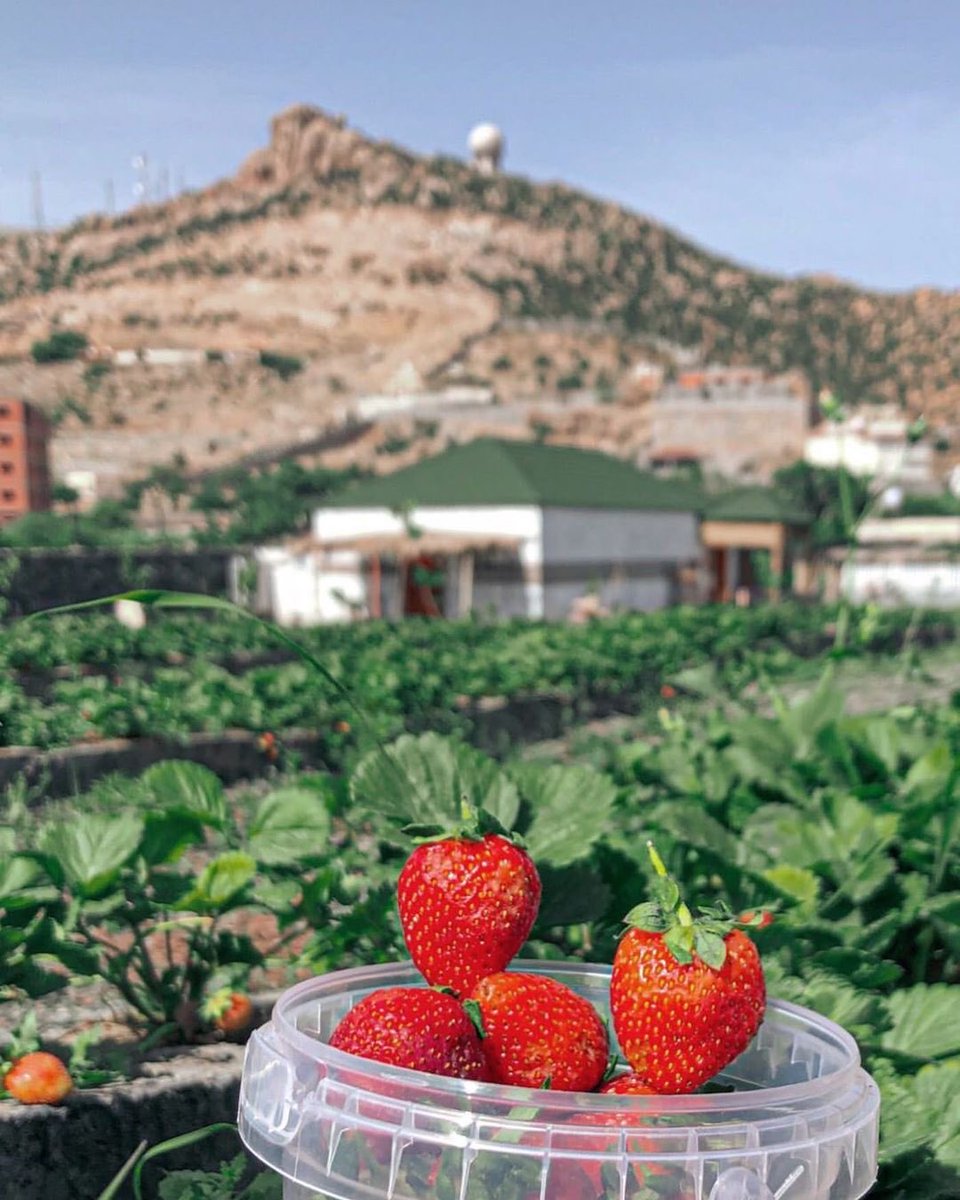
{"points": [[755, 540], [519, 528]]}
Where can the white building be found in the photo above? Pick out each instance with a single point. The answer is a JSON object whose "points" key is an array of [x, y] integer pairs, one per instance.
{"points": [[905, 560], [872, 444], [514, 528]]}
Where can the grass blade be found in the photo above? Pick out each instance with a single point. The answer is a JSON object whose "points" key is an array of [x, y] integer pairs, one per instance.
{"points": [[114, 1185], [176, 1143]]}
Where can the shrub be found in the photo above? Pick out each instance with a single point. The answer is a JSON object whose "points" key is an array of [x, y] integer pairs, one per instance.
{"points": [[94, 372], [570, 382], [503, 363], [285, 365], [63, 345]]}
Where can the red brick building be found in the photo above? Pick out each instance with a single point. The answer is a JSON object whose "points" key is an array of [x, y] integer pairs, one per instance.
{"points": [[24, 466]]}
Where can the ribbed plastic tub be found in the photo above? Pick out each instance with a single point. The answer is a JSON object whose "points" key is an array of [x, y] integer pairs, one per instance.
{"points": [[800, 1122]]}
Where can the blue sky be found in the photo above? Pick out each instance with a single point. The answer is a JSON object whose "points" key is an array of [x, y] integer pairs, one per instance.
{"points": [[794, 135]]}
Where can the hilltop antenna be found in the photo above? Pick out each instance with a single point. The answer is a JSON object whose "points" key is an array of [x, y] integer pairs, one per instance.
{"points": [[141, 189], [37, 196], [109, 198], [163, 184]]}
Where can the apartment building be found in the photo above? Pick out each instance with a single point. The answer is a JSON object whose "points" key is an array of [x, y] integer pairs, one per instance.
{"points": [[24, 464]]}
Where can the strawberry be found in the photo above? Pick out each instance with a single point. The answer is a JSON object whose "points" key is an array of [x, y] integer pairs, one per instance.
{"points": [[38, 1078], [540, 1033], [627, 1085], [235, 1015], [467, 903], [417, 1028], [687, 993]]}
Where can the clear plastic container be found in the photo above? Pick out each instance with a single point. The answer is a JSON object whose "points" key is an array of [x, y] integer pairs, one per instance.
{"points": [[799, 1124]]}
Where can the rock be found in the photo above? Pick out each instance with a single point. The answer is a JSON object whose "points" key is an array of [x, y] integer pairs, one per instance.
{"points": [[304, 142]]}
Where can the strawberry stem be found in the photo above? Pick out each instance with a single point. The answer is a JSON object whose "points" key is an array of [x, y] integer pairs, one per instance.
{"points": [[684, 914]]}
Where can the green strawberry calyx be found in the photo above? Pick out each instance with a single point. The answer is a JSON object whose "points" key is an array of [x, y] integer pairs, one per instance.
{"points": [[474, 825], [686, 936]]}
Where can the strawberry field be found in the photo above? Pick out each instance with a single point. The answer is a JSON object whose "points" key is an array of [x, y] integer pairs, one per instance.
{"points": [[168, 895]]}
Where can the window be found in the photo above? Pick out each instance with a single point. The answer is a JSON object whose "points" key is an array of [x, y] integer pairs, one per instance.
{"points": [[6, 468], [4, 410], [5, 439], [9, 495]]}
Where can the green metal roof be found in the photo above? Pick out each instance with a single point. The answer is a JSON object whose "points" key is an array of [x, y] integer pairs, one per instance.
{"points": [[489, 471], [755, 504]]}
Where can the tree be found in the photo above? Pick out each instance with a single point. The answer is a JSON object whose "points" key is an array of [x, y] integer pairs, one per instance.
{"points": [[63, 493], [819, 491], [63, 345]]}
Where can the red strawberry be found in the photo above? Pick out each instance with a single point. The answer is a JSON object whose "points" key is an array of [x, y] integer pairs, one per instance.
{"points": [[627, 1085], [417, 1028], [467, 904], [607, 1139], [38, 1078], [687, 994], [540, 1033]]}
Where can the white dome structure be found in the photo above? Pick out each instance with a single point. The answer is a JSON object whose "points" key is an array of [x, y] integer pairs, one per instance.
{"points": [[486, 143]]}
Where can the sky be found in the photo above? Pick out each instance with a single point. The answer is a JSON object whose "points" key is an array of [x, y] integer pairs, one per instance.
{"points": [[793, 135]]}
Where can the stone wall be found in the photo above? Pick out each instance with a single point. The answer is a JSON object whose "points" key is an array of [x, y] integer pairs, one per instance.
{"points": [[47, 578]]}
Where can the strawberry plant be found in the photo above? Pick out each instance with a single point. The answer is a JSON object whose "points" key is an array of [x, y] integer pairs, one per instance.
{"points": [[141, 897]]}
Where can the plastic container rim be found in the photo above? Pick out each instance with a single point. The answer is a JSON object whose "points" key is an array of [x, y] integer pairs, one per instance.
{"points": [[398, 974]]}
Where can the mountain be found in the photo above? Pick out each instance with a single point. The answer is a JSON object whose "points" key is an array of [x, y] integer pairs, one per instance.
{"points": [[384, 270]]}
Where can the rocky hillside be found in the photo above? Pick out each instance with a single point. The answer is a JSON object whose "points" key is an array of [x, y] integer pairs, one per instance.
{"points": [[383, 270]]}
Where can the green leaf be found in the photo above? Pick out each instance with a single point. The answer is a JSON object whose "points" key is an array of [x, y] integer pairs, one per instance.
{"points": [[925, 1021], [648, 916], [796, 882], [220, 881], [571, 895], [777, 833], [16, 874], [861, 1013], [291, 825], [167, 835], [571, 809], [91, 851], [188, 788], [935, 766], [710, 947], [679, 941], [424, 780]]}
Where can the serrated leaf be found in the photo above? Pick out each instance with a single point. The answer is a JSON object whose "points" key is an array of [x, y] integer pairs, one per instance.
{"points": [[571, 809], [666, 891], [925, 1021], [291, 825], [861, 1013], [710, 947], [220, 881], [798, 883], [189, 788], [648, 916], [934, 767], [679, 941], [423, 780], [167, 835], [16, 874], [92, 851]]}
